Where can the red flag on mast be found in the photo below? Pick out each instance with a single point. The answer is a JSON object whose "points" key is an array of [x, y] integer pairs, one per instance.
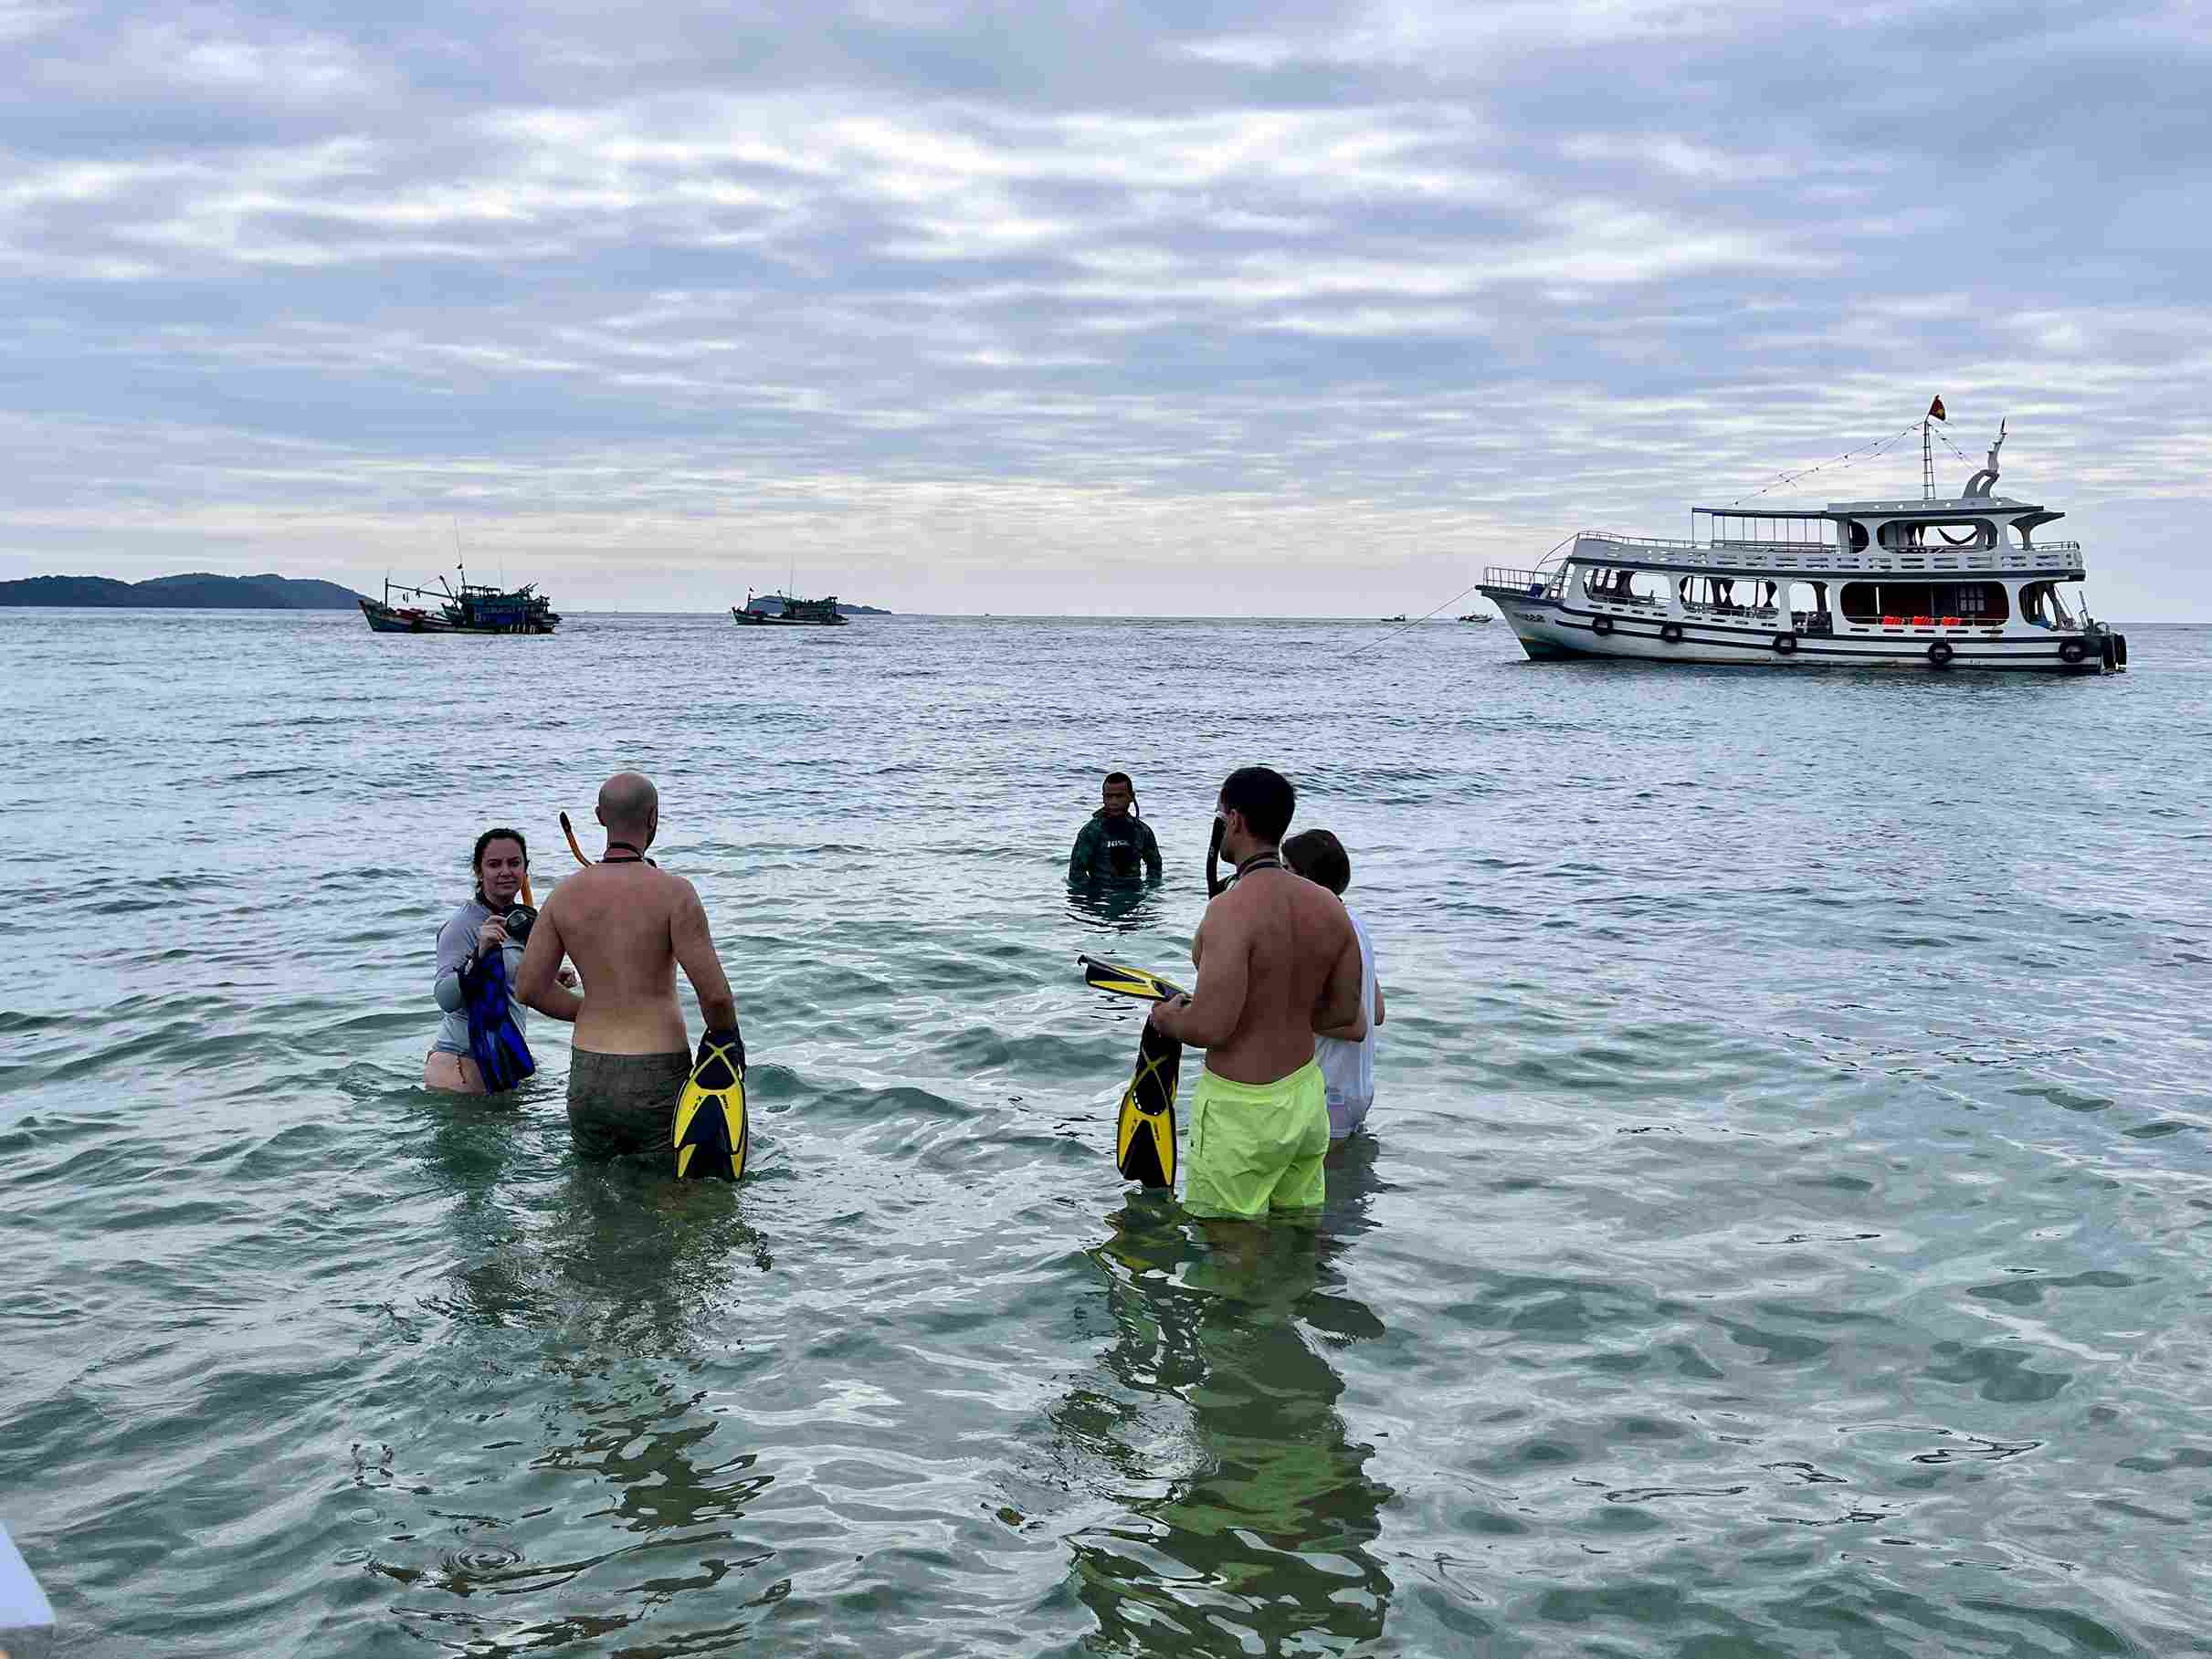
{"points": [[1935, 411]]}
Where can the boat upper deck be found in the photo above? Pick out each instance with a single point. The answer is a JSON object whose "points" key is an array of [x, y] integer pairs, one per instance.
{"points": [[1812, 558]]}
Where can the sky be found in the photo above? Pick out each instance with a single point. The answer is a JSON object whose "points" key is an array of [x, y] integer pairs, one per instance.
{"points": [[1174, 309]]}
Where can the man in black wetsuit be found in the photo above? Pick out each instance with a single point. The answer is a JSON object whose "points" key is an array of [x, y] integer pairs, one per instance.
{"points": [[1116, 842]]}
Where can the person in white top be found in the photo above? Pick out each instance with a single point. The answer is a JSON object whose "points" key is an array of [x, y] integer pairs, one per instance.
{"points": [[1345, 1053]]}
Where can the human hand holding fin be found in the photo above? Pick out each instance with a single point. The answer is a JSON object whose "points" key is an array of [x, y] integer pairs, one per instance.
{"points": [[731, 1045]]}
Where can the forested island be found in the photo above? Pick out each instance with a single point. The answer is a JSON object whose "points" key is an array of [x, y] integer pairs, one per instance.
{"points": [[196, 591]]}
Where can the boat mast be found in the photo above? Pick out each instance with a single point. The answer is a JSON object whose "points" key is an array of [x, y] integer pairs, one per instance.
{"points": [[1927, 453]]}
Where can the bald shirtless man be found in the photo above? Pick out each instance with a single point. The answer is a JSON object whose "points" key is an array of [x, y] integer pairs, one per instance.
{"points": [[626, 926], [1277, 957]]}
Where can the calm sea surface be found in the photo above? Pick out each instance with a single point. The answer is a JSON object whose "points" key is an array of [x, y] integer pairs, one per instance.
{"points": [[1787, 1229]]}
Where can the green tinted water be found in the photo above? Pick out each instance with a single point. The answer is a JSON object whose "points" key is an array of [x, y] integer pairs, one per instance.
{"points": [[1784, 1232]]}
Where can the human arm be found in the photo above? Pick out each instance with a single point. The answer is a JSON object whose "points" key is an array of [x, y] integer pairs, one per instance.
{"points": [[459, 943], [694, 945], [1211, 1012], [1152, 852], [1082, 863], [537, 982], [1378, 1001], [1354, 1033], [1341, 1008]]}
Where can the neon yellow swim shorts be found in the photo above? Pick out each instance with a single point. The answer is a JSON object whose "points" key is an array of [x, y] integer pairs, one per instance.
{"points": [[1257, 1147]]}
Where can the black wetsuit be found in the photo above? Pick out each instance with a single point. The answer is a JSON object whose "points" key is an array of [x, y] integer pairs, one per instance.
{"points": [[1114, 848]]}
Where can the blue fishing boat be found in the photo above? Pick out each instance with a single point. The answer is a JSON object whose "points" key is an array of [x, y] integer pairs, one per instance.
{"points": [[475, 608]]}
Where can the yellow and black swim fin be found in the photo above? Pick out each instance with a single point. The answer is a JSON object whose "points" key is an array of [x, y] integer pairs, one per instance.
{"points": [[1144, 1127], [1124, 980], [712, 1130]]}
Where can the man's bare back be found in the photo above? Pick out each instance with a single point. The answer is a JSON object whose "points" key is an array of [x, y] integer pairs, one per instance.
{"points": [[626, 926], [1276, 956]]}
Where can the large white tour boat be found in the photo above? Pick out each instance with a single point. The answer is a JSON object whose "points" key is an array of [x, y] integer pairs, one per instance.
{"points": [[1958, 583]]}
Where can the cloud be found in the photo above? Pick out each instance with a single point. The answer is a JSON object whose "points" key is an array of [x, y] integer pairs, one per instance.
{"points": [[1382, 287]]}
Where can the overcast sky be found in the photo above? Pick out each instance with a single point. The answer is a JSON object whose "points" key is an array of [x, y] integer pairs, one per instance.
{"points": [[1173, 308]]}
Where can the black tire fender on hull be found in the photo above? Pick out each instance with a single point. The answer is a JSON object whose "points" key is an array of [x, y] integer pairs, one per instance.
{"points": [[1601, 625], [1671, 631], [2071, 651], [1940, 653], [1784, 643]]}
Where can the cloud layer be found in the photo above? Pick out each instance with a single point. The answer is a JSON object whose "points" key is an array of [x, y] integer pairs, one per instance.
{"points": [[969, 307]]}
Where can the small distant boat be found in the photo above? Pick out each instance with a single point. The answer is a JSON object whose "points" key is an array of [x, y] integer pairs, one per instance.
{"points": [[1399, 617], [789, 613], [476, 608], [1480, 617]]}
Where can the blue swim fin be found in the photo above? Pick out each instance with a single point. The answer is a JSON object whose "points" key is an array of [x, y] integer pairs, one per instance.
{"points": [[494, 1038]]}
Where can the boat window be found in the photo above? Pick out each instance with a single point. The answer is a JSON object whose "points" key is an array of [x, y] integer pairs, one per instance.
{"points": [[1761, 530], [1616, 587], [2041, 606], [1926, 602], [1939, 533], [1732, 595], [1859, 537]]}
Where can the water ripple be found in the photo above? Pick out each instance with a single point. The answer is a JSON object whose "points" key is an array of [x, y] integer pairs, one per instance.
{"points": [[1782, 1233]]}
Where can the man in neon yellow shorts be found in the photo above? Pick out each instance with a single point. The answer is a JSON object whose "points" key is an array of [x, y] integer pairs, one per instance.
{"points": [[1276, 956]]}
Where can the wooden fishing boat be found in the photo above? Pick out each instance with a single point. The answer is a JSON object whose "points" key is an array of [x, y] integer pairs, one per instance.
{"points": [[475, 608], [782, 611]]}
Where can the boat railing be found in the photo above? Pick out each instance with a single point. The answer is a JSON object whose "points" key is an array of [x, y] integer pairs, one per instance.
{"points": [[1623, 539], [1603, 547], [1529, 583]]}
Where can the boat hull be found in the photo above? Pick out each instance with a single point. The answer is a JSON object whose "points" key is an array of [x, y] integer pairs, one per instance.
{"points": [[1552, 630], [756, 619], [403, 619]]}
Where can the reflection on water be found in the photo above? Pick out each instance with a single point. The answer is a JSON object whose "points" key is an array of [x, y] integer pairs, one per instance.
{"points": [[1123, 907], [600, 1298], [1794, 1245], [1247, 1513]]}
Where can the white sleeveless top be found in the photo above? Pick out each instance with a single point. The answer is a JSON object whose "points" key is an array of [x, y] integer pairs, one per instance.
{"points": [[1348, 1069]]}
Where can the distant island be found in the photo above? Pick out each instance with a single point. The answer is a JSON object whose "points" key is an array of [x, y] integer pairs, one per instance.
{"points": [[196, 591]]}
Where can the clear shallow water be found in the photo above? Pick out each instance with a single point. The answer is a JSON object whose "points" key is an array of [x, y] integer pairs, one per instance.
{"points": [[1787, 1229]]}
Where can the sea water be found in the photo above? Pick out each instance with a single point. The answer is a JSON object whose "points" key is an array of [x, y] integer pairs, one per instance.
{"points": [[1784, 1231]]}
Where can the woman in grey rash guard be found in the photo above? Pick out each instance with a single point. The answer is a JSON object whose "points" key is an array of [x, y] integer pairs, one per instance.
{"points": [[501, 860]]}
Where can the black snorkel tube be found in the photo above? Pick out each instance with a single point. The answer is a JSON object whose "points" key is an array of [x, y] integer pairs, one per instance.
{"points": [[1213, 884]]}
